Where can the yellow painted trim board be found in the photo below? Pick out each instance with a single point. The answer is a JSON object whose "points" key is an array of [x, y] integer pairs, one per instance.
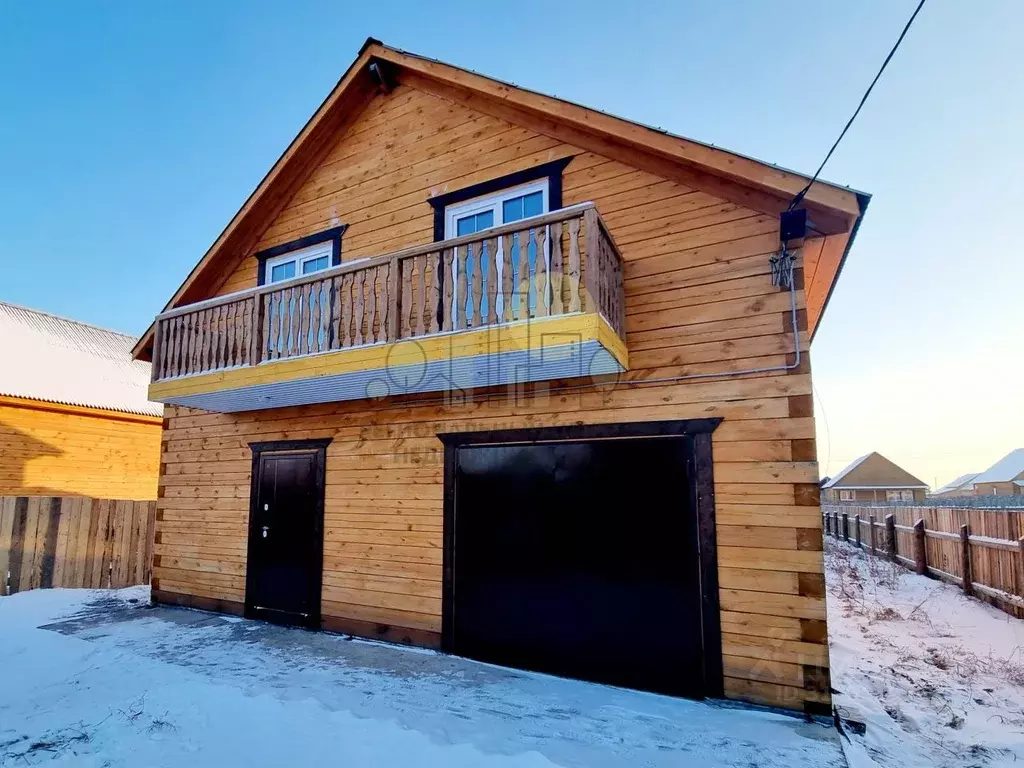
{"points": [[536, 334]]}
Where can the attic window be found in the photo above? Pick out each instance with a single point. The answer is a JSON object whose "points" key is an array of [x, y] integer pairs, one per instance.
{"points": [[301, 257], [494, 210]]}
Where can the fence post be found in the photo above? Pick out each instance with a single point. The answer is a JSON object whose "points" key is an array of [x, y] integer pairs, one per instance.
{"points": [[1020, 565], [920, 550], [965, 557], [846, 527], [890, 537], [872, 536], [827, 522], [856, 523]]}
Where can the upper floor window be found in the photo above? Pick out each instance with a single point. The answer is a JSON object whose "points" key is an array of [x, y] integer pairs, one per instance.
{"points": [[499, 208], [304, 256], [301, 262]]}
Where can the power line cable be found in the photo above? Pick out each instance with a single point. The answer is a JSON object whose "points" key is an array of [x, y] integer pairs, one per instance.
{"points": [[800, 195]]}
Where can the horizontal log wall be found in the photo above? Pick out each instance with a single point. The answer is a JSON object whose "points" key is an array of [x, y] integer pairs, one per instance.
{"points": [[74, 542], [48, 449], [994, 547], [699, 299]]}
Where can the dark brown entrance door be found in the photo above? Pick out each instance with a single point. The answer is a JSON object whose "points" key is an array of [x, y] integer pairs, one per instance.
{"points": [[285, 563]]}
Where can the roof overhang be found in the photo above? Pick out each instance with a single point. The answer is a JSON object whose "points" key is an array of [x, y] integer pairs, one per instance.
{"points": [[834, 212]]}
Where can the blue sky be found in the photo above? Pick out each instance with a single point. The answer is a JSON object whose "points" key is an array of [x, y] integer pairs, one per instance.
{"points": [[130, 133]]}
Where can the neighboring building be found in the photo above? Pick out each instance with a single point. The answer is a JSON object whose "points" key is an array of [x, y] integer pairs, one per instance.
{"points": [[435, 383], [874, 478], [1004, 478], [74, 415], [960, 487]]}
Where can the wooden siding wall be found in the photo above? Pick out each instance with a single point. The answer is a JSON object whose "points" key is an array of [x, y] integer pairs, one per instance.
{"points": [[53, 450], [74, 542], [699, 299]]}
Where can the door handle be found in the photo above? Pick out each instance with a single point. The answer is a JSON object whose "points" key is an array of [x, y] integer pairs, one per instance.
{"points": [[265, 529]]}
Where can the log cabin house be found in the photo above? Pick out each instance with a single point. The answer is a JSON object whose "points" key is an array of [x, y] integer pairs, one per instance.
{"points": [[74, 415], [479, 369], [874, 478], [1004, 478]]}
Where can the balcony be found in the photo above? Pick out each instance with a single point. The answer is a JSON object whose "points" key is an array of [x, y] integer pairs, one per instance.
{"points": [[538, 299]]}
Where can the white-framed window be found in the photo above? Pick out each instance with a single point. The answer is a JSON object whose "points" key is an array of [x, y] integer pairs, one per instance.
{"points": [[847, 495], [493, 210], [302, 261], [503, 207]]}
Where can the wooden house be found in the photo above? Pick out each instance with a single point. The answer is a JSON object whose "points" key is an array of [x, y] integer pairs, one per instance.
{"points": [[874, 478], [1004, 478], [74, 415], [483, 370], [958, 487]]}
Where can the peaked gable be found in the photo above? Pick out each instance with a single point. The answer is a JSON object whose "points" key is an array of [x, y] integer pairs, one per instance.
{"points": [[1007, 469], [875, 471], [834, 212]]}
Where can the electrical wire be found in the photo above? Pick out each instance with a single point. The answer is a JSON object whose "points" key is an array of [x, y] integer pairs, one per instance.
{"points": [[798, 198]]}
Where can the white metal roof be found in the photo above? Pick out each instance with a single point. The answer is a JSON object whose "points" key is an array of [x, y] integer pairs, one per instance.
{"points": [[959, 482], [852, 466], [57, 360], [1006, 469]]}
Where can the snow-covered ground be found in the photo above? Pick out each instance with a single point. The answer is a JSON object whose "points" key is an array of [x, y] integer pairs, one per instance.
{"points": [[92, 679], [937, 677]]}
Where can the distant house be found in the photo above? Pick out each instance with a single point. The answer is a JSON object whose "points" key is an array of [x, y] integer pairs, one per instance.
{"points": [[961, 486], [874, 478], [74, 415], [1004, 478]]}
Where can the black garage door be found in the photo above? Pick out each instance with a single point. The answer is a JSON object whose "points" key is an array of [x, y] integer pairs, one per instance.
{"points": [[578, 558]]}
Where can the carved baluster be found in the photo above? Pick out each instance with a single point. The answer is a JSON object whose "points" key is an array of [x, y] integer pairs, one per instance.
{"points": [[422, 304], [187, 344], [555, 272], [540, 280], [358, 284], [383, 280], [371, 309], [447, 307], [476, 300], [523, 276], [407, 298], [574, 265], [346, 310], [204, 341], [273, 328], [462, 297], [492, 260], [434, 303], [172, 347], [507, 278], [334, 290]]}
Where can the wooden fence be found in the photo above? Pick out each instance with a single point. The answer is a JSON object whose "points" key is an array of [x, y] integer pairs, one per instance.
{"points": [[979, 550], [74, 542]]}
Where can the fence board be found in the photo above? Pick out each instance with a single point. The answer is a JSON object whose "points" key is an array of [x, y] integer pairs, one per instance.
{"points": [[997, 563], [74, 542]]}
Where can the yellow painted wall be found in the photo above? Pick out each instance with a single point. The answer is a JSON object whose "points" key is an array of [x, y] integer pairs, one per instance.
{"points": [[54, 450]]}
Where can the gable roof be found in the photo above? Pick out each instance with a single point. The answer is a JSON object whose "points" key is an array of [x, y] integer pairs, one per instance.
{"points": [[958, 483], [874, 471], [834, 212], [57, 360], [1007, 469]]}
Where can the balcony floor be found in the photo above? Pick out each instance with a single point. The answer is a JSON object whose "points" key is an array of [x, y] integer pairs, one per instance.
{"points": [[563, 347]]}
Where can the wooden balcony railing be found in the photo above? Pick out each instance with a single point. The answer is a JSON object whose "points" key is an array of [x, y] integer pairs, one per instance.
{"points": [[555, 264]]}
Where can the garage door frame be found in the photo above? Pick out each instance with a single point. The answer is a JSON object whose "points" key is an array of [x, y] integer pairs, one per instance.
{"points": [[701, 468]]}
